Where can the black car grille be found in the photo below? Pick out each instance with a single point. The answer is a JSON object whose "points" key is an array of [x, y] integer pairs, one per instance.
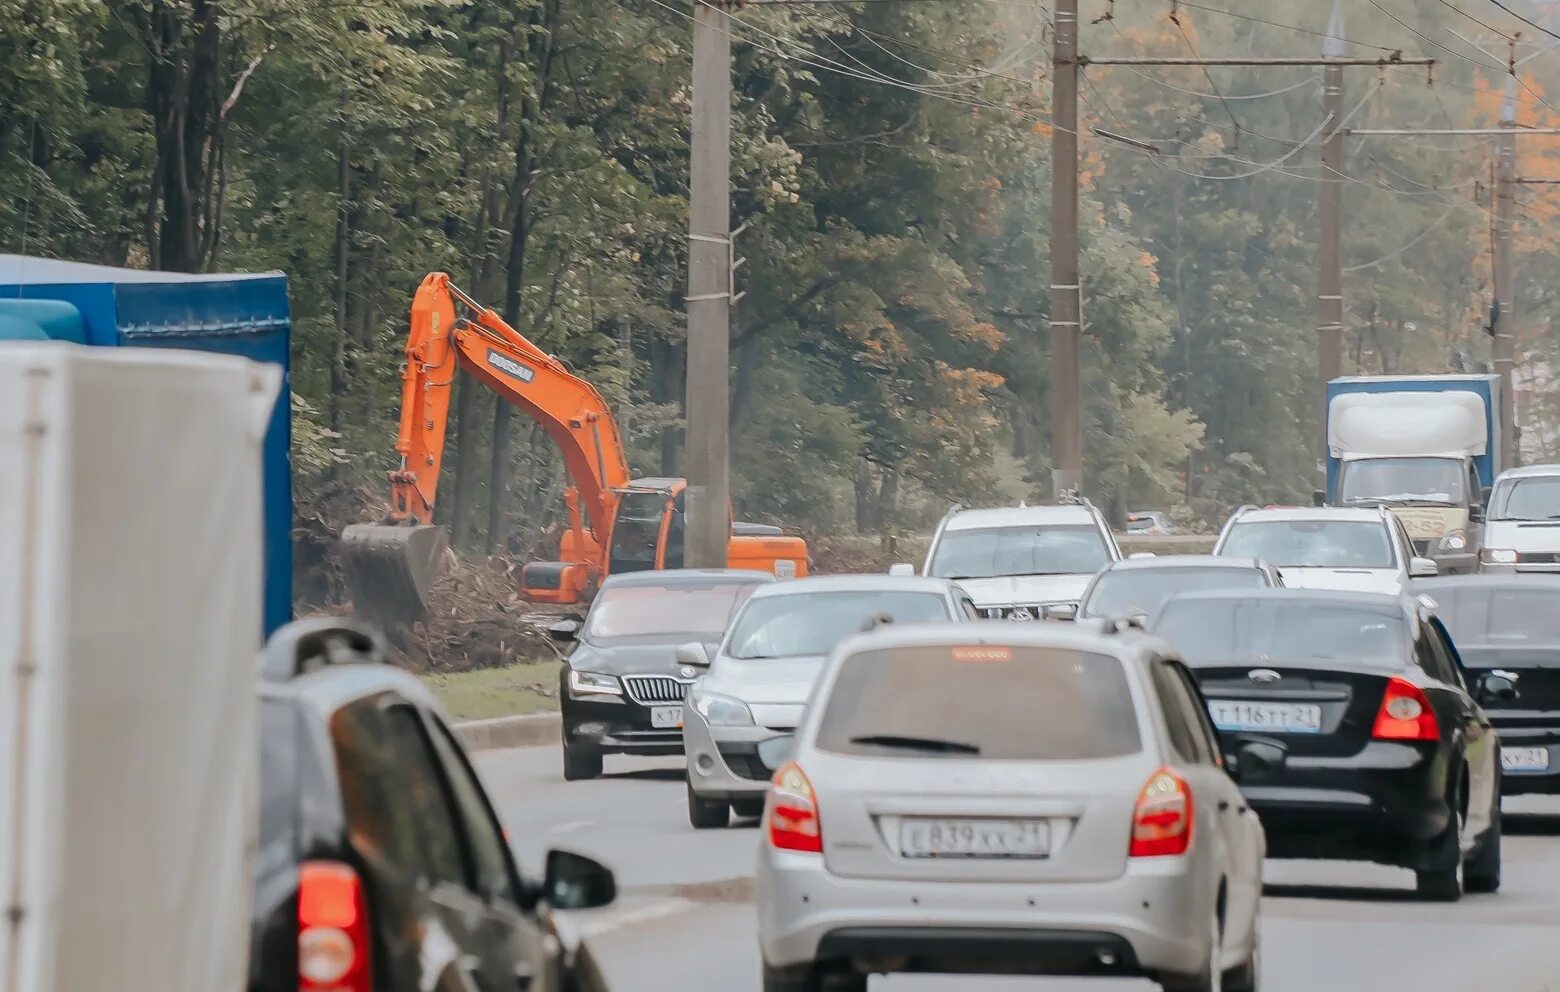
{"points": [[655, 689], [748, 766]]}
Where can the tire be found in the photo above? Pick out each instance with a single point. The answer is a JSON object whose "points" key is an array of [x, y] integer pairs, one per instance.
{"points": [[1444, 882], [1246, 977], [1482, 873], [1211, 978], [579, 764], [748, 808], [707, 814]]}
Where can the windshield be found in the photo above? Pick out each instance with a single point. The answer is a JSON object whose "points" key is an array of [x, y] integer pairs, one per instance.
{"points": [[1278, 632], [637, 531], [989, 702], [1141, 591], [1055, 550], [1479, 615], [1312, 543], [1535, 498], [1435, 480], [793, 624], [700, 612]]}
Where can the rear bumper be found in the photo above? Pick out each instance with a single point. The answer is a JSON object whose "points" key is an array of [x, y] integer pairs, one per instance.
{"points": [[1385, 804], [1150, 920], [1517, 730]]}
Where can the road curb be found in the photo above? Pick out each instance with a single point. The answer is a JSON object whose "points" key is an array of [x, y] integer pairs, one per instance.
{"points": [[532, 730]]}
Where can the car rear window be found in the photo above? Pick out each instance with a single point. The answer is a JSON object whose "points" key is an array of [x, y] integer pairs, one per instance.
{"points": [[1210, 633], [792, 625], [1481, 615], [1003, 703], [1132, 591]]}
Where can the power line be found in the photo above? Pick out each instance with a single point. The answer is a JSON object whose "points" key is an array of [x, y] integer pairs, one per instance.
{"points": [[1431, 41], [1407, 247], [1175, 18], [1279, 24], [1488, 27], [1524, 20]]}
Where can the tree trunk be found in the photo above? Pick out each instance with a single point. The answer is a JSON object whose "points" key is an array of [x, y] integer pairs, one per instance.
{"points": [[498, 478], [888, 501], [866, 521], [184, 104], [467, 434], [338, 350]]}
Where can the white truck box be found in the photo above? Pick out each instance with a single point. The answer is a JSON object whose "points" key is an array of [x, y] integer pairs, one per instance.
{"points": [[130, 626]]}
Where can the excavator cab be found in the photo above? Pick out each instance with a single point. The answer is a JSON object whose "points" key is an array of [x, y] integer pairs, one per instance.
{"points": [[650, 527]]}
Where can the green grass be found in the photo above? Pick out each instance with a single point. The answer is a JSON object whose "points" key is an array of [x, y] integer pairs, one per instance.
{"points": [[490, 692]]}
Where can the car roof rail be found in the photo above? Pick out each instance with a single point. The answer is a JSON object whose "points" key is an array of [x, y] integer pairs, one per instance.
{"points": [[305, 646]]}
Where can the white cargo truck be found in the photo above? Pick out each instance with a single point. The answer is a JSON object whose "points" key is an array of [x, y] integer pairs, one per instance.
{"points": [[130, 625]]}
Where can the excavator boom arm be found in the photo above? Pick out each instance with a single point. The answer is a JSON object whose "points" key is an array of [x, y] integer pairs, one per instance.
{"points": [[566, 407]]}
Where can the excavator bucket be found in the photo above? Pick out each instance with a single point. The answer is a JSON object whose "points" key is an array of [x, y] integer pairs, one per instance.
{"points": [[390, 569]]}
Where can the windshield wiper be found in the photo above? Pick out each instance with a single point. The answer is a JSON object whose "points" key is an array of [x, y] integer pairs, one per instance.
{"points": [[917, 743]]}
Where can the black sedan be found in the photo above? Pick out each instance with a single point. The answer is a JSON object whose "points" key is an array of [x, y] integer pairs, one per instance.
{"points": [[621, 689], [1507, 630], [1353, 729]]}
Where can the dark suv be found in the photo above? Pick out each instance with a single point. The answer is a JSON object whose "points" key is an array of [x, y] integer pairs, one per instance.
{"points": [[381, 865]]}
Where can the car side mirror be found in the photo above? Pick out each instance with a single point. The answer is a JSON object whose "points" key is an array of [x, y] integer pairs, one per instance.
{"points": [[1476, 514], [693, 654], [901, 569], [1232, 765], [1318, 497], [1422, 568], [573, 881], [1254, 758], [1062, 611], [564, 631], [1497, 687]]}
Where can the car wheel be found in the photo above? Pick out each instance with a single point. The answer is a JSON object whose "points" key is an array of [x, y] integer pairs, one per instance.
{"points": [[707, 814], [1444, 882], [1211, 978], [748, 808], [1246, 977], [579, 763], [794, 979], [1483, 871]]}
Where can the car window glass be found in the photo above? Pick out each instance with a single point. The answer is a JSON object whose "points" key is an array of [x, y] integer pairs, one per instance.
{"points": [[989, 702], [1141, 591], [1284, 632], [698, 612], [397, 813], [1313, 543], [1210, 735], [811, 623], [278, 783], [970, 609], [1533, 498], [1180, 717], [1445, 657], [1051, 549], [1436, 666], [489, 849]]}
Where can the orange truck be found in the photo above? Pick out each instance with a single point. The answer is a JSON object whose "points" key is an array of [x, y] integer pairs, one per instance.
{"points": [[615, 523]]}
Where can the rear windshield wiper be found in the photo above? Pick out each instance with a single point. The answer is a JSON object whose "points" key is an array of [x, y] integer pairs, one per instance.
{"points": [[917, 743]]}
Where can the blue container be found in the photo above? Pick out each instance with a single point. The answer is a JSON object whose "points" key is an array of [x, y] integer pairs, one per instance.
{"points": [[244, 315]]}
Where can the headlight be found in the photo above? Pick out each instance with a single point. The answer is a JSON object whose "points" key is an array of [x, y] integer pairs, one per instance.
{"points": [[592, 684], [722, 711], [1453, 540], [1498, 556]]}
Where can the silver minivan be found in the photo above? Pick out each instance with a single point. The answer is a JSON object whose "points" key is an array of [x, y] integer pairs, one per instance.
{"points": [[998, 798], [1522, 526]]}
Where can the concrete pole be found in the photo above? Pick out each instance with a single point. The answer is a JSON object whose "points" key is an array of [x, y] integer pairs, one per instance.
{"points": [[1329, 294], [708, 396], [1066, 291], [1504, 346]]}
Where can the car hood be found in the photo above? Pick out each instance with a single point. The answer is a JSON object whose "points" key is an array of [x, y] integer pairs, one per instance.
{"points": [[1387, 580], [632, 659], [1025, 590], [1523, 535], [765, 681]]}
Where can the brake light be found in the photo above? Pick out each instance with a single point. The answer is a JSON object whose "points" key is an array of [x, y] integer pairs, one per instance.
{"points": [[1162, 821], [1405, 714], [333, 944], [793, 812]]}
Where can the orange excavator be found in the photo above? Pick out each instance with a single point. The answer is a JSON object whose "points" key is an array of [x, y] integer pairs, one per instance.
{"points": [[615, 524]]}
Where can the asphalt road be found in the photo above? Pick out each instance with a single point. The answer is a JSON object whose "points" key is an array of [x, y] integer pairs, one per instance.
{"points": [[685, 920]]}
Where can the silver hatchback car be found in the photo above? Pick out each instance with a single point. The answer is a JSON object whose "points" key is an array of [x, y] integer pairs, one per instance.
{"points": [[1008, 799]]}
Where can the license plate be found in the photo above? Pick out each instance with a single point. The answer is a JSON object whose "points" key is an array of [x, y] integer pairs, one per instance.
{"points": [[967, 838], [1524, 759], [666, 717], [1288, 718]]}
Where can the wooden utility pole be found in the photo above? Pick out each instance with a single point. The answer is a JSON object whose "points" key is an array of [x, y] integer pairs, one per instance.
{"points": [[1501, 314], [1329, 294], [708, 392], [1066, 289]]}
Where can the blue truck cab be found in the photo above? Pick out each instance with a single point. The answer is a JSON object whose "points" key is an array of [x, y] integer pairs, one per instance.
{"points": [[1428, 447]]}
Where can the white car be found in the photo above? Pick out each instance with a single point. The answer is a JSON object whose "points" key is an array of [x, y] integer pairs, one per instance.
{"points": [[1008, 799], [1522, 532], [1020, 562], [1364, 549]]}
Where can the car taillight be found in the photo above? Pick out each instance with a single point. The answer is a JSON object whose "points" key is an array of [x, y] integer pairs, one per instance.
{"points": [[793, 812], [1162, 821], [1405, 714], [333, 943]]}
